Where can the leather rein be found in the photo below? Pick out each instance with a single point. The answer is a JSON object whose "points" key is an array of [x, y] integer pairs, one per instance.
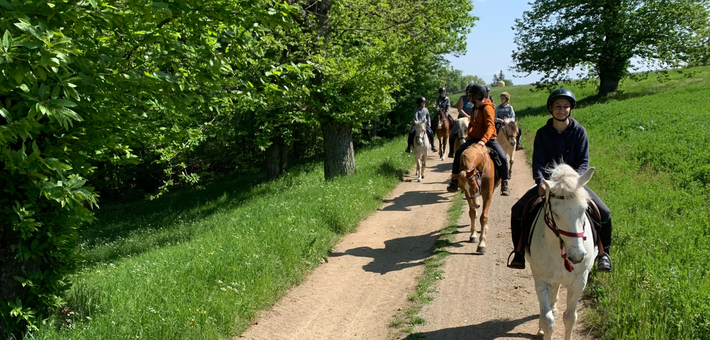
{"points": [[479, 177], [550, 223]]}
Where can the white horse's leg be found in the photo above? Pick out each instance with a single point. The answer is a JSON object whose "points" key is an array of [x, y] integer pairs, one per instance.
{"points": [[423, 166], [553, 299], [419, 168], [570, 315], [547, 320]]}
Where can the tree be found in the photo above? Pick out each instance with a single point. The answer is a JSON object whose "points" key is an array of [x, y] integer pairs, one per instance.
{"points": [[501, 77], [602, 36]]}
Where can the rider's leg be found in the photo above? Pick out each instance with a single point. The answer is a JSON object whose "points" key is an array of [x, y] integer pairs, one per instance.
{"points": [[430, 134], [410, 139], [452, 138], [603, 261], [516, 229], [456, 166], [504, 171], [517, 141]]}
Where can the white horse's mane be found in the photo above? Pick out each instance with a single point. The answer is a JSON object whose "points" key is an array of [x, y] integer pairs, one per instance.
{"points": [[564, 181]]}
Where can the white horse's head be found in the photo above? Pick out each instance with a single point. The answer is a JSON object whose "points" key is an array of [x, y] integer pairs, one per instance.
{"points": [[510, 130], [420, 131], [568, 202]]}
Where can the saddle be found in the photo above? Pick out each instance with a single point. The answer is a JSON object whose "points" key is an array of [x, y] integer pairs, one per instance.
{"points": [[498, 163], [535, 204]]}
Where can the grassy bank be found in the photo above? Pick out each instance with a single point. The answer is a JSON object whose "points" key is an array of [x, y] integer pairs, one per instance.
{"points": [[201, 263], [651, 147]]}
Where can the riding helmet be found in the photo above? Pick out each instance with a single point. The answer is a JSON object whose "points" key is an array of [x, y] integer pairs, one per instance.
{"points": [[442, 90], [478, 91], [488, 90], [561, 93], [421, 100]]}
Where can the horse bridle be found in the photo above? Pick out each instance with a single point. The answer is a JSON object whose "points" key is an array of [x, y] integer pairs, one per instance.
{"points": [[479, 177], [550, 223]]}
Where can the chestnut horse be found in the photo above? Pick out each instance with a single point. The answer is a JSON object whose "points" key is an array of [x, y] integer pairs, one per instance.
{"points": [[508, 137], [443, 127], [477, 181]]}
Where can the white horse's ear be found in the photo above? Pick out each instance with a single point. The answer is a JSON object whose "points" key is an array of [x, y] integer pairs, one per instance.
{"points": [[586, 177]]}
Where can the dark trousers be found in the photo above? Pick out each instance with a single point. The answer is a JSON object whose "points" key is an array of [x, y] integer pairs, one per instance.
{"points": [[516, 222], [493, 144], [429, 133]]}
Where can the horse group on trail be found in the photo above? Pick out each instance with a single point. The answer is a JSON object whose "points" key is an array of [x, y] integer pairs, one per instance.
{"points": [[560, 226]]}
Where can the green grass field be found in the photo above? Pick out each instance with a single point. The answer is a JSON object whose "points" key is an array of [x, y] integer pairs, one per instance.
{"points": [[651, 147], [200, 263]]}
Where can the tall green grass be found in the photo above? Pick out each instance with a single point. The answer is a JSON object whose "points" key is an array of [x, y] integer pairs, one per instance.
{"points": [[201, 263], [651, 146]]}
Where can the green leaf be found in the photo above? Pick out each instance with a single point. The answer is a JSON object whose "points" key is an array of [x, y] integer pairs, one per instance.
{"points": [[61, 103], [160, 5], [6, 40]]}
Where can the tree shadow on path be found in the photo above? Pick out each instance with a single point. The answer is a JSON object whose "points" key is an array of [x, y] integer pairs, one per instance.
{"points": [[489, 330], [398, 253], [414, 198]]}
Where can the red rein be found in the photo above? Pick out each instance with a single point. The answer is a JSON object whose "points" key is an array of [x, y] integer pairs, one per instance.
{"points": [[550, 222]]}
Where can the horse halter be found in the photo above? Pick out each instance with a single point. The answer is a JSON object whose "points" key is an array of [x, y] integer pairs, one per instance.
{"points": [[479, 177], [550, 223]]}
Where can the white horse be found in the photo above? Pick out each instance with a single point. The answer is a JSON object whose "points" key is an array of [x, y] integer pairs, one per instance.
{"points": [[562, 228], [462, 124], [508, 137], [421, 149]]}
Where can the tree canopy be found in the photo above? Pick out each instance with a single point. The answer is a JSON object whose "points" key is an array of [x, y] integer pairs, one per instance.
{"points": [[602, 36], [105, 97]]}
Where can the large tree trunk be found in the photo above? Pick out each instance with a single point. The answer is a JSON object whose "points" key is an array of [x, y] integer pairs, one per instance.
{"points": [[276, 158], [613, 59], [608, 84], [338, 147]]}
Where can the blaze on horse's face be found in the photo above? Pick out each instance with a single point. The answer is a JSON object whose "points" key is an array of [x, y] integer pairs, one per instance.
{"points": [[511, 131], [468, 183]]}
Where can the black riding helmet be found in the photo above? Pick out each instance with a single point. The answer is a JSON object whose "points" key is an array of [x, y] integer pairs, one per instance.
{"points": [[488, 90], [442, 90], [421, 100], [478, 91], [561, 93]]}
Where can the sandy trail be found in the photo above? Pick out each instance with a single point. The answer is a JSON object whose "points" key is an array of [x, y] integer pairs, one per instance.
{"points": [[371, 272]]}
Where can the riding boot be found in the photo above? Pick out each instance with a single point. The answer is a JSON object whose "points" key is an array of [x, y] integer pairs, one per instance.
{"points": [[409, 148], [453, 186], [504, 188], [518, 260]]}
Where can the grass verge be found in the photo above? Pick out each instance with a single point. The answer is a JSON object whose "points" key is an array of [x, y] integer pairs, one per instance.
{"points": [[405, 320], [202, 262]]}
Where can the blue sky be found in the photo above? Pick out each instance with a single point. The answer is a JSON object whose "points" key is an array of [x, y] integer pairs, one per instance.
{"points": [[490, 43]]}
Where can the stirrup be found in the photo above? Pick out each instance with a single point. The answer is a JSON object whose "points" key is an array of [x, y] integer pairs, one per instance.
{"points": [[510, 264]]}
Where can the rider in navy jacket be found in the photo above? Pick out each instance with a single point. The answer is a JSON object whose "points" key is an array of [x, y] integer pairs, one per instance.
{"points": [[562, 139]]}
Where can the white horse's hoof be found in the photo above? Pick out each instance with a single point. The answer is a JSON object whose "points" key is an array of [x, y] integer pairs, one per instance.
{"points": [[419, 180], [481, 250], [540, 333]]}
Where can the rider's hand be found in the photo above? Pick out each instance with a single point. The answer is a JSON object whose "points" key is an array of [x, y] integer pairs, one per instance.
{"points": [[481, 143], [541, 189]]}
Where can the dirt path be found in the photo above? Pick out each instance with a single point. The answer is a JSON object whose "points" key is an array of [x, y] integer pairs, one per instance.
{"points": [[479, 297], [370, 273]]}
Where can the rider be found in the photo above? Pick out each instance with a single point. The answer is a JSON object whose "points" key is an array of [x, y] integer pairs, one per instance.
{"points": [[488, 94], [562, 138], [421, 113], [481, 130], [443, 103], [464, 107], [505, 111]]}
